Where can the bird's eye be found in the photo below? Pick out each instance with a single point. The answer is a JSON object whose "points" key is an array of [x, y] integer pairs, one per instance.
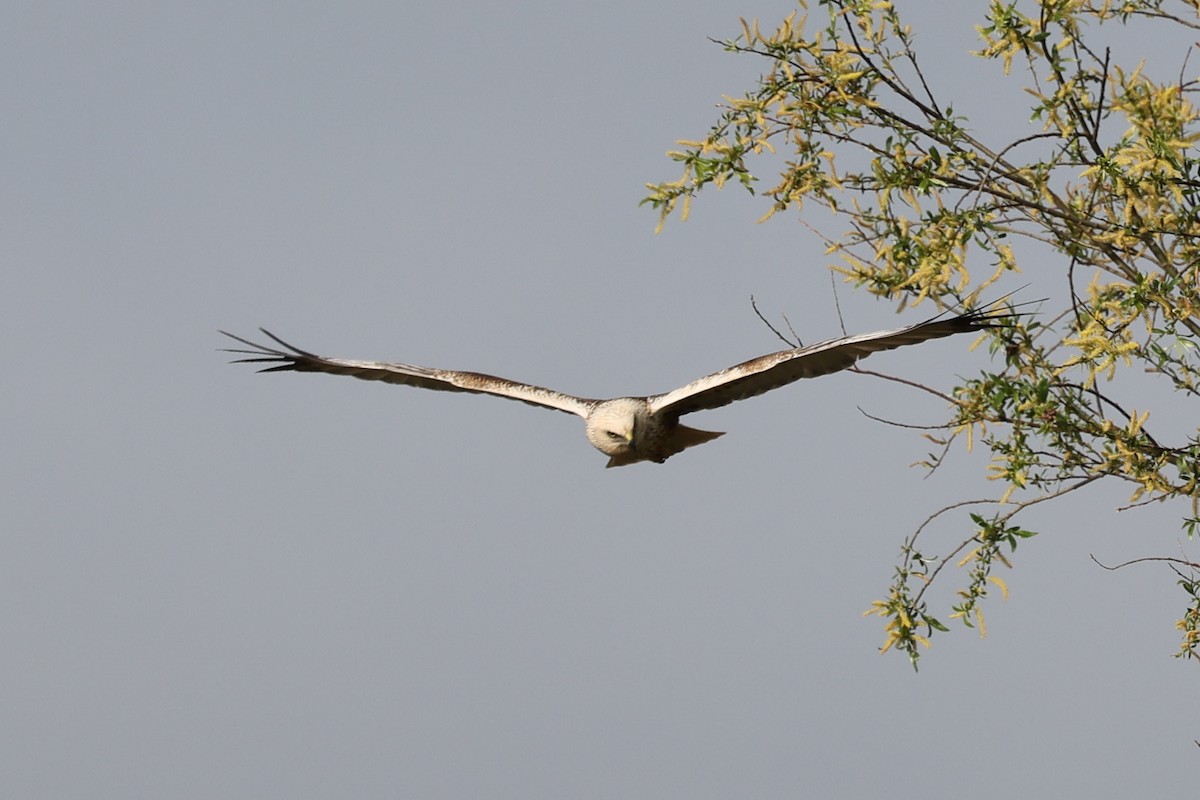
{"points": [[614, 435]]}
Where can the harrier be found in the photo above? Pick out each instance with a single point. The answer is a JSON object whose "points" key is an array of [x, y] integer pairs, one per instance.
{"points": [[633, 429]]}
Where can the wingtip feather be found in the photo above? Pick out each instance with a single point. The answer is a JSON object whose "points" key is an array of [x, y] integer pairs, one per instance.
{"points": [[291, 347]]}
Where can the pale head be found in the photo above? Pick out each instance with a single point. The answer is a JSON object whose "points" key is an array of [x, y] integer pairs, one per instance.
{"points": [[615, 427]]}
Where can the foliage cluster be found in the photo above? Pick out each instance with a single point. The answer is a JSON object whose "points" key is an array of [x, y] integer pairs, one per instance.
{"points": [[934, 210]]}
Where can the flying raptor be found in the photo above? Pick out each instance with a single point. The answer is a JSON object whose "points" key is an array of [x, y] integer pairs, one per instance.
{"points": [[633, 429]]}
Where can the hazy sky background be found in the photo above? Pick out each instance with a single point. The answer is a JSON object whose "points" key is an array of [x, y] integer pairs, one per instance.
{"points": [[221, 584]]}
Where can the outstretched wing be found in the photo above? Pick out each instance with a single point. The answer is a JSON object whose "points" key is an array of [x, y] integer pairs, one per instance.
{"points": [[292, 358], [771, 371]]}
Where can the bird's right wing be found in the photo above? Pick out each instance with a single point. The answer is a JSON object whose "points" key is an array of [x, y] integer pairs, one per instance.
{"points": [[293, 359]]}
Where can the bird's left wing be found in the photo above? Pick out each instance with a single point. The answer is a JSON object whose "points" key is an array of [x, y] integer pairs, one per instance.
{"points": [[771, 371], [292, 358]]}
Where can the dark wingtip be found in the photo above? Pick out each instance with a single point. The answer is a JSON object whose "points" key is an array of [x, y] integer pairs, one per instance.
{"points": [[257, 347], [289, 346], [261, 353], [998, 313]]}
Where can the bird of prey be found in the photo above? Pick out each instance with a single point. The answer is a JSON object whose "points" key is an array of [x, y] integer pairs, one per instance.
{"points": [[633, 429]]}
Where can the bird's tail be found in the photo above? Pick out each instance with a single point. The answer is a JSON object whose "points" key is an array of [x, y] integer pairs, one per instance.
{"points": [[681, 438], [684, 437]]}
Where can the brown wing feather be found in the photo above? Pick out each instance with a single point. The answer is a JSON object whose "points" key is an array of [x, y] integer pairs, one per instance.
{"points": [[762, 374], [293, 359]]}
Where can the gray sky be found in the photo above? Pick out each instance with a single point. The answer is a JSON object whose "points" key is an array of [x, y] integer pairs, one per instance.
{"points": [[220, 584]]}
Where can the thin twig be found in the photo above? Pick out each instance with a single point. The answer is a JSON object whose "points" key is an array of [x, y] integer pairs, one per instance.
{"points": [[758, 313], [940, 458], [860, 371], [837, 304], [1168, 559], [792, 331], [912, 540], [895, 424], [1024, 504]]}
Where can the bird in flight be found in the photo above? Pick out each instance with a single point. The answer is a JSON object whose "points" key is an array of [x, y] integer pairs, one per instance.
{"points": [[633, 429]]}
